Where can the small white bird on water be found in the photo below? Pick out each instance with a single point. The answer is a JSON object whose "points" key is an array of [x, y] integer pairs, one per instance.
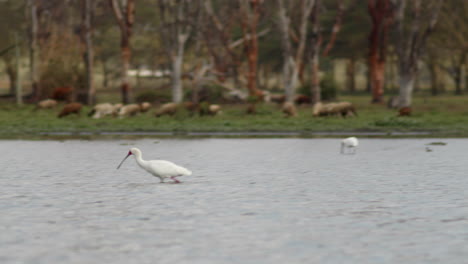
{"points": [[349, 143], [160, 168]]}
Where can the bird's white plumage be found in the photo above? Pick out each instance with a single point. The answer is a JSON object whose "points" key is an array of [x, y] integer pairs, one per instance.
{"points": [[350, 143], [165, 169], [160, 168]]}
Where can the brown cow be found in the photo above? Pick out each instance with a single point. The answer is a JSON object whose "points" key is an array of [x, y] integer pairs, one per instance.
{"points": [[71, 108], [405, 111], [278, 98], [62, 94], [302, 99]]}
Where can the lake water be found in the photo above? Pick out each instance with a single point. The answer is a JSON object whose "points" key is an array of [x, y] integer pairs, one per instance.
{"points": [[248, 201]]}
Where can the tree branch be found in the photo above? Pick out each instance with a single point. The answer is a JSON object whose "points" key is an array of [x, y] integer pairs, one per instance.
{"points": [[336, 28], [247, 38]]}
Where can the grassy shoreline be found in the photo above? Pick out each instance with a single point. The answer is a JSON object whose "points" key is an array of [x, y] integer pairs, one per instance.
{"points": [[445, 116]]}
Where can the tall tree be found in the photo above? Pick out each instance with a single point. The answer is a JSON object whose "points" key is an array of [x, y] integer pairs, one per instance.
{"points": [[353, 37], [18, 84], [452, 36], [316, 41], [11, 22], [217, 33], [293, 60], [314, 53], [10, 67], [34, 49], [381, 13], [124, 12], [87, 10], [413, 25], [104, 38], [250, 16], [177, 21]]}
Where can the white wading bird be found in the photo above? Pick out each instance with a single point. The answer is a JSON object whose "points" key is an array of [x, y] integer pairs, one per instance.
{"points": [[160, 168], [350, 143]]}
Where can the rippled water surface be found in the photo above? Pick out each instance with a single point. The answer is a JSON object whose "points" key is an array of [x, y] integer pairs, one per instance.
{"points": [[248, 201]]}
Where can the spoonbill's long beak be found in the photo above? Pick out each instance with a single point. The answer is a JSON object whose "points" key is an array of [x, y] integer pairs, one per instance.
{"points": [[129, 153]]}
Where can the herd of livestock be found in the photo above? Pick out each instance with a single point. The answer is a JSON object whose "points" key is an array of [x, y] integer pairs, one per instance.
{"points": [[121, 111], [344, 109]]}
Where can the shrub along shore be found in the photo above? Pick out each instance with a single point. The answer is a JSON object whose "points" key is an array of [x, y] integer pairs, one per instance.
{"points": [[441, 116]]}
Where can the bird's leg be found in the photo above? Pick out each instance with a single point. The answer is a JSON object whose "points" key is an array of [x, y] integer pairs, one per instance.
{"points": [[174, 179]]}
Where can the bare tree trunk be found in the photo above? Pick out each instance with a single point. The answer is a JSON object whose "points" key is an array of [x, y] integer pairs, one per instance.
{"points": [[392, 82], [105, 73], [351, 75], [463, 77], [218, 38], [18, 84], [381, 14], [252, 59], [287, 52], [407, 80], [198, 79], [411, 42], [176, 76], [289, 83], [306, 6], [125, 16], [11, 71], [250, 11], [316, 42], [459, 74], [138, 76], [88, 56], [435, 71], [33, 51], [315, 78], [368, 81], [377, 78], [336, 27], [177, 60], [125, 88], [292, 65], [178, 19]]}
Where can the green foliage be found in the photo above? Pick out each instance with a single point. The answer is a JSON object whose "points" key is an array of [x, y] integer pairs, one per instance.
{"points": [[147, 96], [159, 95], [204, 108], [61, 19], [11, 20], [328, 88], [304, 89], [209, 92], [57, 74], [252, 99]]}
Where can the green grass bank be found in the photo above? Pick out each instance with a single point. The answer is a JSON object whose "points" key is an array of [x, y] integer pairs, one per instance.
{"points": [[441, 116]]}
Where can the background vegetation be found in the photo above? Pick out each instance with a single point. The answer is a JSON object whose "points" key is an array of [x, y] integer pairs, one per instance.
{"points": [[176, 49]]}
